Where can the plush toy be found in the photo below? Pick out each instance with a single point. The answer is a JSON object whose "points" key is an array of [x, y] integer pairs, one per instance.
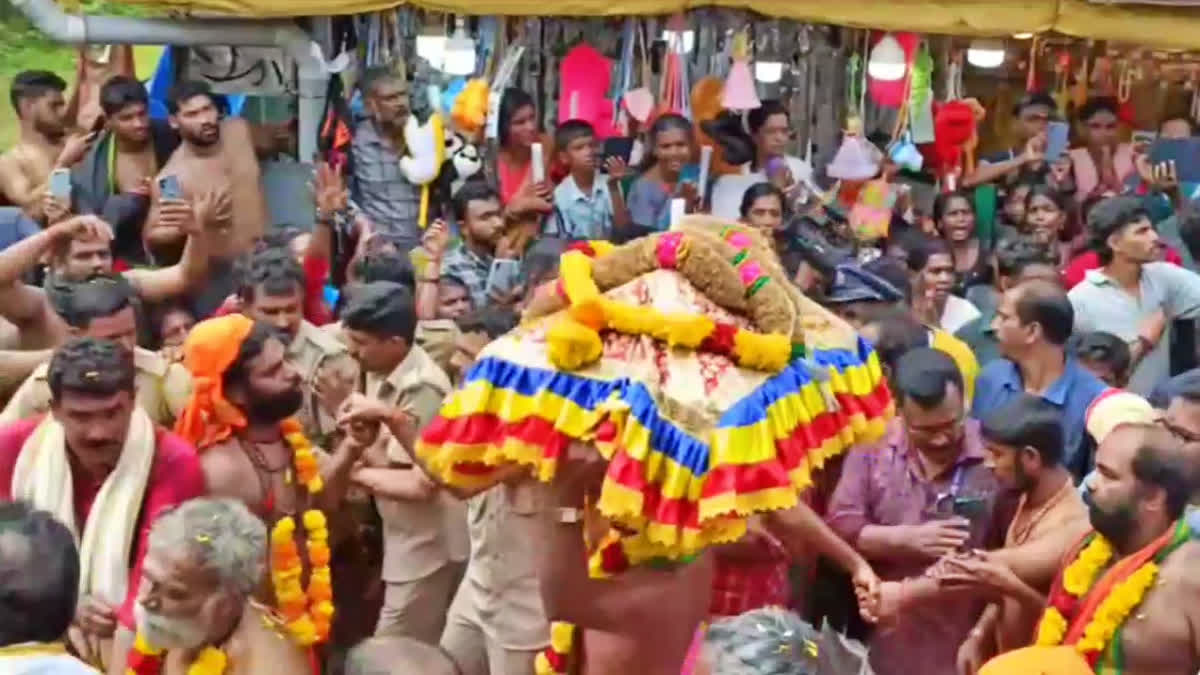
{"points": [[955, 126], [426, 148], [470, 107], [462, 161]]}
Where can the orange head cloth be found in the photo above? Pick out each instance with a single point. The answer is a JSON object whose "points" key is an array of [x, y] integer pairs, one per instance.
{"points": [[1038, 661], [209, 350]]}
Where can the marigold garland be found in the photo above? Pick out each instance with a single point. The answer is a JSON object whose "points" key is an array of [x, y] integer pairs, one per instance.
{"points": [[1121, 598], [307, 615], [304, 458], [146, 659], [554, 660]]}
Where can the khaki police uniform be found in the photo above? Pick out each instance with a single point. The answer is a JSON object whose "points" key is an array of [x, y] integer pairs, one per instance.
{"points": [[312, 350]]}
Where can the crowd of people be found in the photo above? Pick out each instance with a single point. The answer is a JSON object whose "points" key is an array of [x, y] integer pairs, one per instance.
{"points": [[211, 433]]}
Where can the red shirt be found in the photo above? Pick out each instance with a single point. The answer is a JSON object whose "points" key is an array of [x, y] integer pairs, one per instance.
{"points": [[741, 586], [1075, 271], [175, 477]]}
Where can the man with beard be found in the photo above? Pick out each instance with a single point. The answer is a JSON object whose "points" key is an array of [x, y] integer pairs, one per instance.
{"points": [[424, 542], [37, 98], [1134, 296], [216, 155], [79, 248], [387, 198], [1147, 555], [204, 562], [98, 463], [1024, 441], [103, 308], [113, 180], [272, 292]]}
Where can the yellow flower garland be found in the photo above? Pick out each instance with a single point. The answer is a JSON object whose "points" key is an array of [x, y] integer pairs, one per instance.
{"points": [[1112, 611], [307, 615], [210, 661], [146, 659], [1079, 576]]}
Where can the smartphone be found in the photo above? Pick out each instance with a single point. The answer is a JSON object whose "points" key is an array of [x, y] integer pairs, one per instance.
{"points": [[1184, 152], [60, 184], [1057, 137], [617, 146], [504, 276], [169, 187], [970, 508]]}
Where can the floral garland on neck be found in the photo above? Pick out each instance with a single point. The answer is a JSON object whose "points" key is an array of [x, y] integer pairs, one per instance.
{"points": [[1088, 608], [307, 613], [146, 659]]}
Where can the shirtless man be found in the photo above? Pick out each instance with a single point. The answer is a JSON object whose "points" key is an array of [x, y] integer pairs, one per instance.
{"points": [[1137, 495], [37, 97], [80, 249], [204, 561], [214, 154]]}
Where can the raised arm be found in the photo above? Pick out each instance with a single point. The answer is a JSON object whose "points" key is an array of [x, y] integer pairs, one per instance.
{"points": [[156, 285], [20, 303]]}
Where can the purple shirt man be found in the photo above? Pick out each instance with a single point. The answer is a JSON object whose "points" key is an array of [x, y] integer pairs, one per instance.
{"points": [[921, 492]]}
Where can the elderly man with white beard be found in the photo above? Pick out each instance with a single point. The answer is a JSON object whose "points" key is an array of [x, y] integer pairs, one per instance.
{"points": [[194, 610]]}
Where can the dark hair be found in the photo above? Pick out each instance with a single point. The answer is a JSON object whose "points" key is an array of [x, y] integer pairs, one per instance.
{"points": [[276, 271], [100, 297], [1014, 254], [899, 333], [757, 118], [542, 258], [665, 122], [186, 90], [451, 280], [942, 202], [924, 247], [1096, 105], [386, 266], [511, 101], [120, 91], [1161, 461], [1104, 348], [1109, 217], [492, 320], [471, 191], [32, 84], [1038, 98], [1047, 305], [754, 192], [1189, 229], [922, 375], [1061, 199], [39, 575], [374, 76], [383, 309], [90, 366], [254, 344], [571, 131], [892, 271], [158, 313], [1027, 421]]}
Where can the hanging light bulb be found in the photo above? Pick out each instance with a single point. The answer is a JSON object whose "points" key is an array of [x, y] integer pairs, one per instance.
{"points": [[887, 61], [686, 38], [459, 55], [768, 72], [432, 47], [1022, 36], [986, 53]]}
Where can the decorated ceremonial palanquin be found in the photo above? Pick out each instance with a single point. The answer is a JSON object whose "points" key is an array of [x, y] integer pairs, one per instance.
{"points": [[711, 385]]}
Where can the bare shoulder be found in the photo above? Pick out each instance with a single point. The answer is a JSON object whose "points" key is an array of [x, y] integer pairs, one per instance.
{"points": [[1179, 569], [237, 130], [224, 464], [269, 650]]}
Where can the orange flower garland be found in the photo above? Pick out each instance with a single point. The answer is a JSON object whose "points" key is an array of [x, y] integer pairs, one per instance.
{"points": [[307, 614], [146, 659]]}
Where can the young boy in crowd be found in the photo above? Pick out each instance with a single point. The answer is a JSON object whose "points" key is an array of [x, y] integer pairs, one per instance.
{"points": [[585, 206]]}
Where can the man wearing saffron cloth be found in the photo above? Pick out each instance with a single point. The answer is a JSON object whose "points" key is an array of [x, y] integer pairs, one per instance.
{"points": [[195, 601], [98, 463], [1133, 579]]}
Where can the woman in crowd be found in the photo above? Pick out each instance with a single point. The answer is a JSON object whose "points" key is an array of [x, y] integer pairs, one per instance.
{"points": [[762, 208], [931, 270], [525, 201], [1047, 214], [955, 217], [667, 173]]}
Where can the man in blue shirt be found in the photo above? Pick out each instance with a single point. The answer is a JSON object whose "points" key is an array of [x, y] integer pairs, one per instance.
{"points": [[1032, 325]]}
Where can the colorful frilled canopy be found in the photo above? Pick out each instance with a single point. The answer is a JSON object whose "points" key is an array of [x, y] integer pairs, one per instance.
{"points": [[713, 387]]}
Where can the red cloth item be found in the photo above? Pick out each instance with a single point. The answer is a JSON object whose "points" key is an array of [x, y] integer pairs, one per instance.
{"points": [[741, 586], [175, 477], [316, 272], [1076, 270]]}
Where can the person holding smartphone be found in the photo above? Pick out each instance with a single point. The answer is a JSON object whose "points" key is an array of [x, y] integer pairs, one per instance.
{"points": [[1032, 115], [484, 260]]}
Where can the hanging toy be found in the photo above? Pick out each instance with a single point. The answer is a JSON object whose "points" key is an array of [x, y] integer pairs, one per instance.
{"points": [[426, 145], [470, 107], [739, 93], [1031, 77], [955, 124], [727, 139], [1062, 77]]}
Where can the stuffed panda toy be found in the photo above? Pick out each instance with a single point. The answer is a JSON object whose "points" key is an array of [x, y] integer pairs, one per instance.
{"points": [[463, 160]]}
